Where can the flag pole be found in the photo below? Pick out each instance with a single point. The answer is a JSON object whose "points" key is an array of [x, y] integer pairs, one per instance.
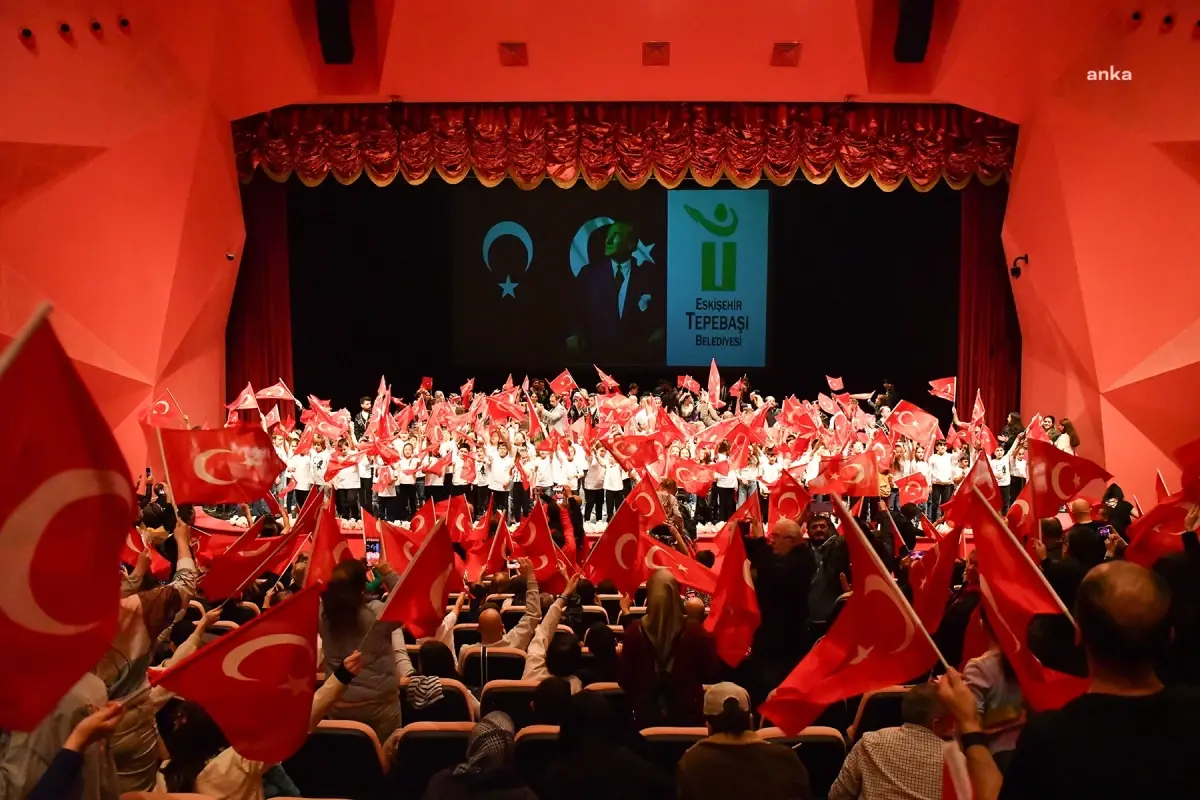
{"points": [[166, 472], [906, 607], [176, 402], [22, 338], [439, 523]]}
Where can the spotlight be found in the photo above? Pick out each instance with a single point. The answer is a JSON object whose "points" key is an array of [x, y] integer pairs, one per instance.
{"points": [[1015, 269], [123, 22], [1196, 30], [230, 256], [1168, 23], [64, 28], [95, 26], [1135, 19], [27, 33]]}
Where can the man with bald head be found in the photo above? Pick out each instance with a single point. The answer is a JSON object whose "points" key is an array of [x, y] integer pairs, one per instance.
{"points": [[491, 626], [1128, 736]]}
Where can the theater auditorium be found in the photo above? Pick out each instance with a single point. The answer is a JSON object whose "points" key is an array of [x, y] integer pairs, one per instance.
{"points": [[531, 400]]}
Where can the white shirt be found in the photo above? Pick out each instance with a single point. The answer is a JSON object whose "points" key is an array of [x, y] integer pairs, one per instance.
{"points": [[614, 476], [941, 468], [364, 467], [1019, 468], [403, 477], [541, 473], [318, 462], [624, 270], [346, 478], [593, 479], [1000, 470], [769, 474], [728, 480], [499, 472], [389, 489], [300, 468], [1063, 442]]}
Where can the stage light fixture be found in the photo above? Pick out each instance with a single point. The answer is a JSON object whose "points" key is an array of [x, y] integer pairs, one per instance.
{"points": [[1168, 23], [64, 28], [26, 33], [229, 256], [124, 23], [1196, 30], [1135, 19], [96, 26], [1015, 269]]}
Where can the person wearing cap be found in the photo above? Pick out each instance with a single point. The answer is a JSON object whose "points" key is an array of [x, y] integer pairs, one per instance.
{"points": [[734, 761]]}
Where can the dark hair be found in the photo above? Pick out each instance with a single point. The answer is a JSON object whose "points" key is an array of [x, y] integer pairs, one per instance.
{"points": [[550, 700], [585, 590], [343, 597], [1122, 644], [706, 558], [910, 511], [518, 588], [1052, 529], [1006, 666], [437, 660], [920, 704], [1068, 428], [1114, 492], [364, 399], [1086, 545], [606, 587], [563, 655], [602, 643], [588, 723], [732, 718], [193, 743]]}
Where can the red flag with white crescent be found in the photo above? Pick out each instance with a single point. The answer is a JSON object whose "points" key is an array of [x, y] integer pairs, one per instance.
{"points": [[257, 682], [945, 388], [165, 413], [618, 555], [835, 384], [244, 561], [733, 615], [714, 385], [245, 401], [329, 546], [981, 477], [228, 465], [913, 488], [279, 391], [419, 598], [532, 540], [876, 641], [1057, 477], [606, 380], [978, 411], [930, 579], [487, 556], [857, 476], [67, 489], [788, 499], [563, 384]]}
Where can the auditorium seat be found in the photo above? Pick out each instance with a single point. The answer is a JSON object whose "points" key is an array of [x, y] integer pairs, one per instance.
{"points": [[221, 627], [414, 655], [511, 616], [618, 632], [408, 636], [537, 747], [514, 698], [611, 603], [501, 663], [615, 696], [665, 746], [241, 613], [340, 758], [454, 706], [465, 633], [194, 611], [424, 749], [877, 709], [498, 599], [594, 614], [634, 614], [822, 751]]}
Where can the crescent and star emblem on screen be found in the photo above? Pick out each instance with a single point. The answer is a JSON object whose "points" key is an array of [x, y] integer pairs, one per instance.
{"points": [[517, 231], [579, 245]]}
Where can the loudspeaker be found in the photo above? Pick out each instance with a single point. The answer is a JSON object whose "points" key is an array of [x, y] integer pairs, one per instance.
{"points": [[333, 29], [912, 31]]}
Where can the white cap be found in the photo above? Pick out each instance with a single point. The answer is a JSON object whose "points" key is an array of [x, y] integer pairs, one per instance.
{"points": [[718, 693]]}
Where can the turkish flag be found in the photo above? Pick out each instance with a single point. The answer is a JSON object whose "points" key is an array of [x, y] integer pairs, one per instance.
{"points": [[487, 556], [1018, 518], [694, 477], [271, 419], [876, 641], [930, 578], [226, 465], [458, 519], [635, 452], [1161, 492], [533, 541], [535, 420], [689, 383], [617, 554], [329, 546], [826, 404], [945, 388], [736, 389], [339, 462], [606, 380], [1056, 478], [422, 522], [643, 499], [835, 384], [1159, 532], [749, 511], [466, 390], [279, 391], [563, 384], [978, 411], [1013, 591], [1034, 431], [439, 466], [913, 422], [714, 385], [980, 477], [499, 409], [788, 499], [245, 560], [165, 413], [397, 545], [733, 615], [245, 401], [419, 599], [913, 488], [67, 490], [257, 682], [856, 476], [686, 570]]}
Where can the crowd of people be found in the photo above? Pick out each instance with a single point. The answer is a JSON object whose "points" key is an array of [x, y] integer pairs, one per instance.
{"points": [[1138, 629]]}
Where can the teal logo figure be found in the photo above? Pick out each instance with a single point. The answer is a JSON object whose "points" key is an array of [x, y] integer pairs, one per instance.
{"points": [[716, 277]]}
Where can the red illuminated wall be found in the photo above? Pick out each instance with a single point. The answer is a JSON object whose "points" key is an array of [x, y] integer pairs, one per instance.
{"points": [[118, 200]]}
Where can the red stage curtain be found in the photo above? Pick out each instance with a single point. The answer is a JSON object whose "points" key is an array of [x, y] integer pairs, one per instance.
{"points": [[632, 142], [258, 336], [989, 336]]}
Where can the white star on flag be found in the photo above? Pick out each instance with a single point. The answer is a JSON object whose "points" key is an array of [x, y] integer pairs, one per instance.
{"points": [[507, 289], [642, 254], [863, 652]]}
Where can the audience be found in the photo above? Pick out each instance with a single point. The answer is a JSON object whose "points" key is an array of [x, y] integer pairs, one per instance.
{"points": [[898, 762], [489, 773], [997, 695], [349, 623], [1128, 736], [424, 688], [594, 763], [601, 667], [491, 625], [664, 664], [550, 700], [734, 760], [552, 652]]}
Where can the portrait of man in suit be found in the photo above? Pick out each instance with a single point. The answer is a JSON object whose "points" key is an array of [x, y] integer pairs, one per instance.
{"points": [[620, 305]]}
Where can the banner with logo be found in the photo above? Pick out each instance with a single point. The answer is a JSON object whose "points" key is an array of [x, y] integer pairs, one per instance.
{"points": [[717, 277]]}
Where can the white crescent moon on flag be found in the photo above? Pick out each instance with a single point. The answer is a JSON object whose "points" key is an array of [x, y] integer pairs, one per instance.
{"points": [[529, 539], [746, 576], [1024, 509], [859, 473], [166, 407], [874, 583], [994, 611], [232, 663], [507, 228], [579, 242], [23, 532], [200, 467], [258, 551], [788, 504], [408, 551], [543, 562], [339, 551], [629, 537], [912, 418], [649, 506], [418, 523], [1055, 487], [651, 563], [437, 590]]}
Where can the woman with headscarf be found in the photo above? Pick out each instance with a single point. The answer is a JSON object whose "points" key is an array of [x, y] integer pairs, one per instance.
{"points": [[665, 664], [490, 772]]}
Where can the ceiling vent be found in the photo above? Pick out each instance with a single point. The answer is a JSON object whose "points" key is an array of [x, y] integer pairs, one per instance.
{"points": [[785, 54], [656, 54], [514, 54]]}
